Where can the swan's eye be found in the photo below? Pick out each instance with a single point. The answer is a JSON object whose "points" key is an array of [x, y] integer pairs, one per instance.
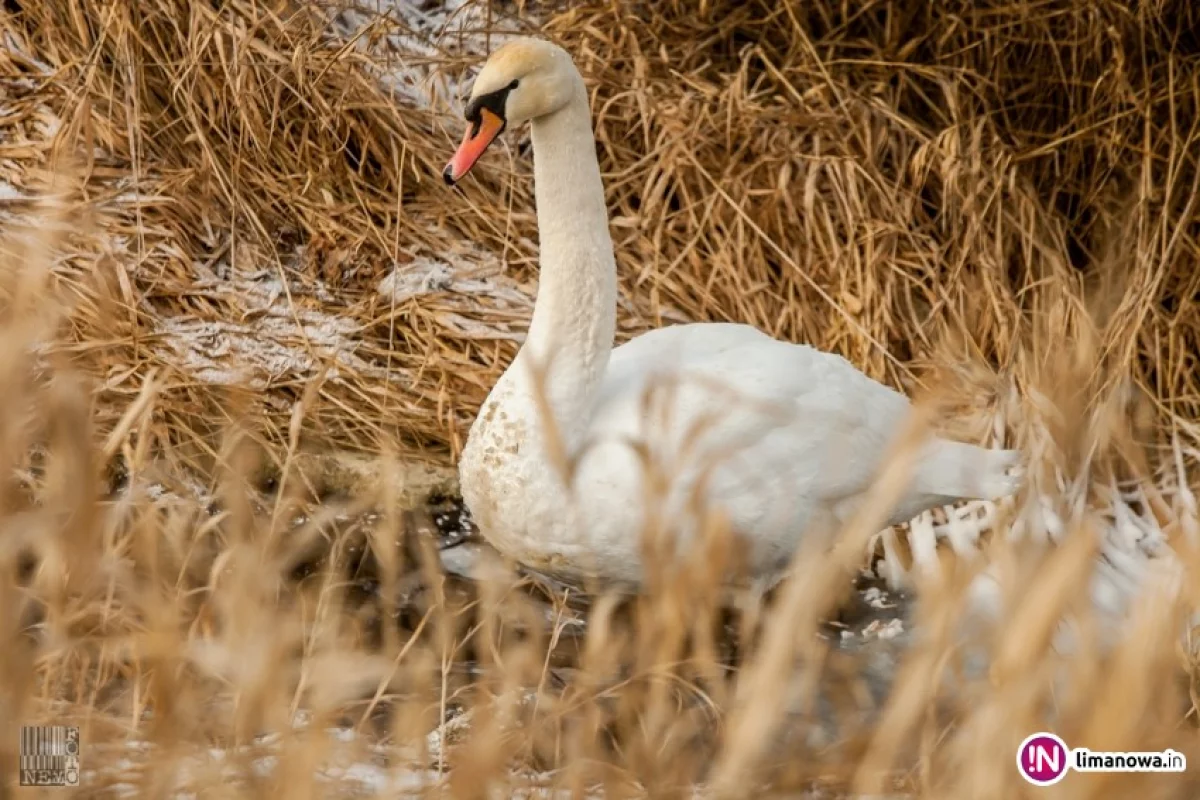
{"points": [[514, 84]]}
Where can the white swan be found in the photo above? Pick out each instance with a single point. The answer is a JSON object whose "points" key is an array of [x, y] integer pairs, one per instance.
{"points": [[782, 438]]}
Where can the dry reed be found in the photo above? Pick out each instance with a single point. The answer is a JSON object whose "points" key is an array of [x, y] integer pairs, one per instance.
{"points": [[226, 246]]}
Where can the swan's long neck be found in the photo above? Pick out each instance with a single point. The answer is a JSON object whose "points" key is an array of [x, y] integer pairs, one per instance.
{"points": [[574, 318]]}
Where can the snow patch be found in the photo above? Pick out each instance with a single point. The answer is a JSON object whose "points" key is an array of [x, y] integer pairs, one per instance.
{"points": [[463, 287], [277, 338], [416, 34], [8, 192]]}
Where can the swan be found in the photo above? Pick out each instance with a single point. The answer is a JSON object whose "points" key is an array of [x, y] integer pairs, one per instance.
{"points": [[778, 438]]}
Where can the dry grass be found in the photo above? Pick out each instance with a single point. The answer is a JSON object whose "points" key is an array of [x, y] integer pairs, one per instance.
{"points": [[242, 253]]}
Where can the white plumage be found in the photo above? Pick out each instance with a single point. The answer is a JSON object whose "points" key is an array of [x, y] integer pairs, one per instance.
{"points": [[779, 438]]}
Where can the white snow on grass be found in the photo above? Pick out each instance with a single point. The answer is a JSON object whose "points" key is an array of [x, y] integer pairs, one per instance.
{"points": [[275, 339], [275, 333], [18, 48], [413, 34], [456, 288], [425, 276], [350, 768], [350, 765], [9, 193]]}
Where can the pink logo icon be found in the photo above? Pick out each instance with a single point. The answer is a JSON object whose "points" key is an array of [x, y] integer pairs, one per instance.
{"points": [[1042, 759]]}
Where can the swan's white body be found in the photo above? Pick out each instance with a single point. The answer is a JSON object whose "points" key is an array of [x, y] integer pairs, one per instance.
{"points": [[779, 438]]}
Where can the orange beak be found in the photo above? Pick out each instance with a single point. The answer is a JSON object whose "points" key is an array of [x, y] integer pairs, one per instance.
{"points": [[476, 140]]}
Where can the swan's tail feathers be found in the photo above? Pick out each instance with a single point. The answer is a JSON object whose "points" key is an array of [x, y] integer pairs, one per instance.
{"points": [[967, 472]]}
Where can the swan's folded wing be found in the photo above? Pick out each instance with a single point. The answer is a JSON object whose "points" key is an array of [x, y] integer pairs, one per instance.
{"points": [[770, 409]]}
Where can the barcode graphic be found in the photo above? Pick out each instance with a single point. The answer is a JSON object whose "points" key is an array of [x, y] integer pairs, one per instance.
{"points": [[49, 755]]}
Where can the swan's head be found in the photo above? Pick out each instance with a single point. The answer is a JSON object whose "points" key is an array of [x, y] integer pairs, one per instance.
{"points": [[523, 80]]}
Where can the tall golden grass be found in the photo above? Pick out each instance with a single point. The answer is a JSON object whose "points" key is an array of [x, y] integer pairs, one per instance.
{"points": [[229, 248]]}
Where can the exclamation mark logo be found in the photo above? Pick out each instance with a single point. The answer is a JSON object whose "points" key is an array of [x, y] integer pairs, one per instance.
{"points": [[1042, 759]]}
